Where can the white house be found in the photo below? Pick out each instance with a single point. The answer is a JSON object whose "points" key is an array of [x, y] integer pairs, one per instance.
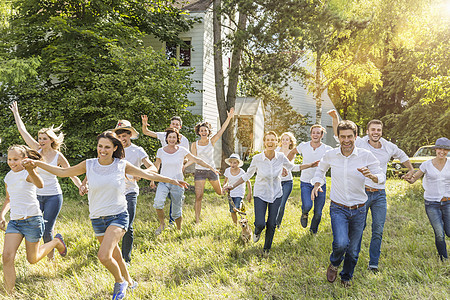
{"points": [[200, 57]]}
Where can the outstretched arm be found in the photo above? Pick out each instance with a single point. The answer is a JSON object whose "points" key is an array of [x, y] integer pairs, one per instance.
{"points": [[60, 172], [217, 136], [200, 161], [29, 140], [333, 114], [145, 129], [150, 175], [62, 161], [5, 209]]}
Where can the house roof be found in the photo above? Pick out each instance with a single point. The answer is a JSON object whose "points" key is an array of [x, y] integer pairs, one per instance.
{"points": [[247, 106], [194, 5]]}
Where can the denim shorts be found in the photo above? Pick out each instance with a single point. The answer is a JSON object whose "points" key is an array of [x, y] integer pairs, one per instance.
{"points": [[205, 174], [101, 224], [32, 228], [237, 203]]}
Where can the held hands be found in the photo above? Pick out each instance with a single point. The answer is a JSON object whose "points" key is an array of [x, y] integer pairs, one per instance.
{"points": [[29, 164], [152, 184], [409, 177], [314, 164], [284, 173], [83, 190], [181, 183]]}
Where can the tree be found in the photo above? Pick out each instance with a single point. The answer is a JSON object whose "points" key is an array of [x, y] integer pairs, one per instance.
{"points": [[87, 68]]}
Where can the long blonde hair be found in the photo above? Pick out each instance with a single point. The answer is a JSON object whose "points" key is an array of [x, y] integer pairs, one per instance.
{"points": [[291, 137], [26, 151], [57, 140]]}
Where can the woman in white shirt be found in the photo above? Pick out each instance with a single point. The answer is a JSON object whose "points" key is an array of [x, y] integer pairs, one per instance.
{"points": [[50, 195], [172, 157], [267, 191], [436, 184], [107, 203], [204, 149]]}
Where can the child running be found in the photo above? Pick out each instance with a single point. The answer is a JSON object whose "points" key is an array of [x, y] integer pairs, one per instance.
{"points": [[26, 218], [232, 174]]}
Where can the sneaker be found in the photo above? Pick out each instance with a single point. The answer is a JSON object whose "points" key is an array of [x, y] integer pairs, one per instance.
{"points": [[265, 253], [120, 290], [59, 237], [374, 270], [256, 237], [133, 286], [304, 220]]}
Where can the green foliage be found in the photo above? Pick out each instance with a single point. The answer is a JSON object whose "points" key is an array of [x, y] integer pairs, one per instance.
{"points": [[81, 64]]}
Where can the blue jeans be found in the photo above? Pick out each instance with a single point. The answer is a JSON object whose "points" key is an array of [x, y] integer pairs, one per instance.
{"points": [[175, 193], [377, 204], [260, 219], [307, 204], [286, 187], [128, 238], [347, 226], [439, 215], [50, 207]]}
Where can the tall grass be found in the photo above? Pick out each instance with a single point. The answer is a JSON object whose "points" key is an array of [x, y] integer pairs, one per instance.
{"points": [[207, 261]]}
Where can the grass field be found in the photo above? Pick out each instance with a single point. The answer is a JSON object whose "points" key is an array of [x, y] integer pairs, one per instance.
{"points": [[206, 261]]}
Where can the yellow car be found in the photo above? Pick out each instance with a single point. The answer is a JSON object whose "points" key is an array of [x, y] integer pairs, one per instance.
{"points": [[424, 153]]}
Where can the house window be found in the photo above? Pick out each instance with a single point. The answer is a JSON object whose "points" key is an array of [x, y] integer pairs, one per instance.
{"points": [[182, 52]]}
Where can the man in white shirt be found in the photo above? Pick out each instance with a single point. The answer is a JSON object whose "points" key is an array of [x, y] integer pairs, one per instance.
{"points": [[137, 156], [311, 151], [175, 123], [350, 166], [383, 151]]}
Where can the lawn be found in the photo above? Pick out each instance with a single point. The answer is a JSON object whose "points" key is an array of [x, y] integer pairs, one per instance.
{"points": [[207, 261]]}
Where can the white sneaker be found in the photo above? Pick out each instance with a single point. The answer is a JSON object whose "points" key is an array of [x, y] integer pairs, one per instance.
{"points": [[256, 237]]}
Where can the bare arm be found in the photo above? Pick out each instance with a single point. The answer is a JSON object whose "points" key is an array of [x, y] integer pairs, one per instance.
{"points": [[200, 161], [145, 127], [150, 175], [292, 154], [61, 172], [249, 191], [62, 161], [310, 165], [5, 209], [34, 177], [149, 165], [217, 136], [29, 140], [333, 114], [409, 165], [194, 153]]}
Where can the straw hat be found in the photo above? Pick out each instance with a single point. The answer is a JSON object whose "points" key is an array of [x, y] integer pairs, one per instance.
{"points": [[234, 156], [125, 124]]}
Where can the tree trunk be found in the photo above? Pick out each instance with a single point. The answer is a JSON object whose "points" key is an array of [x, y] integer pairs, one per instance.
{"points": [[318, 90], [228, 135]]}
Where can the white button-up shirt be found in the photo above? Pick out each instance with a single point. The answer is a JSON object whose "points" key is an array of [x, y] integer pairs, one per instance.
{"points": [[267, 185], [383, 154], [347, 183], [435, 183]]}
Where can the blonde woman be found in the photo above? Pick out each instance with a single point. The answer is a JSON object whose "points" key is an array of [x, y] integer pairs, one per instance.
{"points": [[50, 195]]}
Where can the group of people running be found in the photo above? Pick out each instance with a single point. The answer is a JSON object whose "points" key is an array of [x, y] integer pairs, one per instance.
{"points": [[358, 174]]}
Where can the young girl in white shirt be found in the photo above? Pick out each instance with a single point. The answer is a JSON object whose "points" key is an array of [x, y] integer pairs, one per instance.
{"points": [[232, 174], [107, 203], [436, 184], [26, 217]]}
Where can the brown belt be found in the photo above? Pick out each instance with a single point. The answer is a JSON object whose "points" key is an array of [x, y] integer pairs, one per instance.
{"points": [[445, 199], [350, 207], [369, 189]]}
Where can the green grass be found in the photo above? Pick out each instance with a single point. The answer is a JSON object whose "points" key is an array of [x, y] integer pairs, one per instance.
{"points": [[207, 261]]}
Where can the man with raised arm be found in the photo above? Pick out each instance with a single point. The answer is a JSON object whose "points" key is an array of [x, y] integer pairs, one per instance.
{"points": [[350, 166], [383, 151]]}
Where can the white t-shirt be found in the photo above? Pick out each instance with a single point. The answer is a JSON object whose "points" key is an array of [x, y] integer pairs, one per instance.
{"points": [[310, 155], [51, 184], [238, 191], [184, 142], [383, 154], [22, 195], [134, 155], [206, 153], [435, 183], [106, 188], [172, 164]]}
